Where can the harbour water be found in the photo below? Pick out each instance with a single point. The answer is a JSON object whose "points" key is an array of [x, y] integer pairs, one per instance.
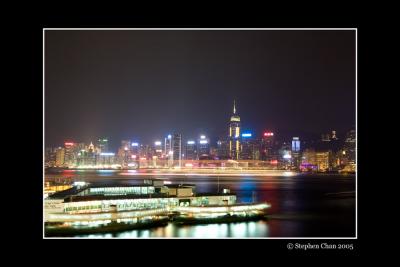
{"points": [[303, 205]]}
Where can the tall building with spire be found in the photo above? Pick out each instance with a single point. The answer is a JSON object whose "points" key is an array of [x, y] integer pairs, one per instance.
{"points": [[234, 134]]}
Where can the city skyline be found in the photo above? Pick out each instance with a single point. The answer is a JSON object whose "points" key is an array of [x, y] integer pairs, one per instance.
{"points": [[141, 84], [115, 144], [198, 133]]}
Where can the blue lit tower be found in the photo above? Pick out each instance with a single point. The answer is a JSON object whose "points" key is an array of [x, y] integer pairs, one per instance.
{"points": [[296, 152], [234, 134]]}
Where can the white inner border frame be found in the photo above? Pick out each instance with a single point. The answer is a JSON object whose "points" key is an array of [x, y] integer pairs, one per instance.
{"points": [[205, 29]]}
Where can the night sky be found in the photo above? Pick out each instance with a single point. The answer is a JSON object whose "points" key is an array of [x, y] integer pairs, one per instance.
{"points": [[143, 85]]}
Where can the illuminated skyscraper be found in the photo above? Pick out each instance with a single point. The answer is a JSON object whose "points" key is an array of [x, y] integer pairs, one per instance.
{"points": [[124, 152], [135, 148], [234, 134], [106, 159], [177, 149], [350, 147], [250, 148], [145, 151], [70, 156], [203, 147], [269, 151], [60, 157], [223, 148], [103, 144], [296, 152], [191, 152], [50, 156], [157, 149], [91, 156], [167, 145]]}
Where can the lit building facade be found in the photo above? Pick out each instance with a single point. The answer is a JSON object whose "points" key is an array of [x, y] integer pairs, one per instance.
{"points": [[285, 156], [124, 153], [203, 147], [234, 134], [250, 148], [135, 152], [167, 145], [153, 156], [191, 151], [50, 156], [317, 160], [177, 149], [60, 157], [223, 148], [350, 147], [86, 158], [70, 156], [168, 151], [323, 160], [296, 152], [308, 160], [103, 145], [145, 151], [106, 159], [269, 151]]}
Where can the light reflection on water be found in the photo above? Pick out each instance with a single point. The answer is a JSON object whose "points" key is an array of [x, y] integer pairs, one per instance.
{"points": [[299, 206], [224, 230]]}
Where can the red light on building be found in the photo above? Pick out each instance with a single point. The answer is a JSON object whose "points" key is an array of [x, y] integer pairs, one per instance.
{"points": [[274, 161], [268, 134], [68, 144]]}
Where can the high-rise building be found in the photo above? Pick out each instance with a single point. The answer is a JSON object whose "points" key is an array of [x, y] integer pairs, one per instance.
{"points": [[145, 151], [250, 148], [308, 160], [167, 145], [323, 160], [50, 156], [106, 159], [126, 145], [103, 144], [317, 160], [60, 157], [70, 153], [296, 152], [87, 157], [91, 148], [91, 155], [285, 156], [350, 146], [203, 147], [135, 148], [269, 151], [177, 149], [158, 149], [234, 134], [223, 148], [124, 153], [213, 152], [79, 147], [190, 151]]}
